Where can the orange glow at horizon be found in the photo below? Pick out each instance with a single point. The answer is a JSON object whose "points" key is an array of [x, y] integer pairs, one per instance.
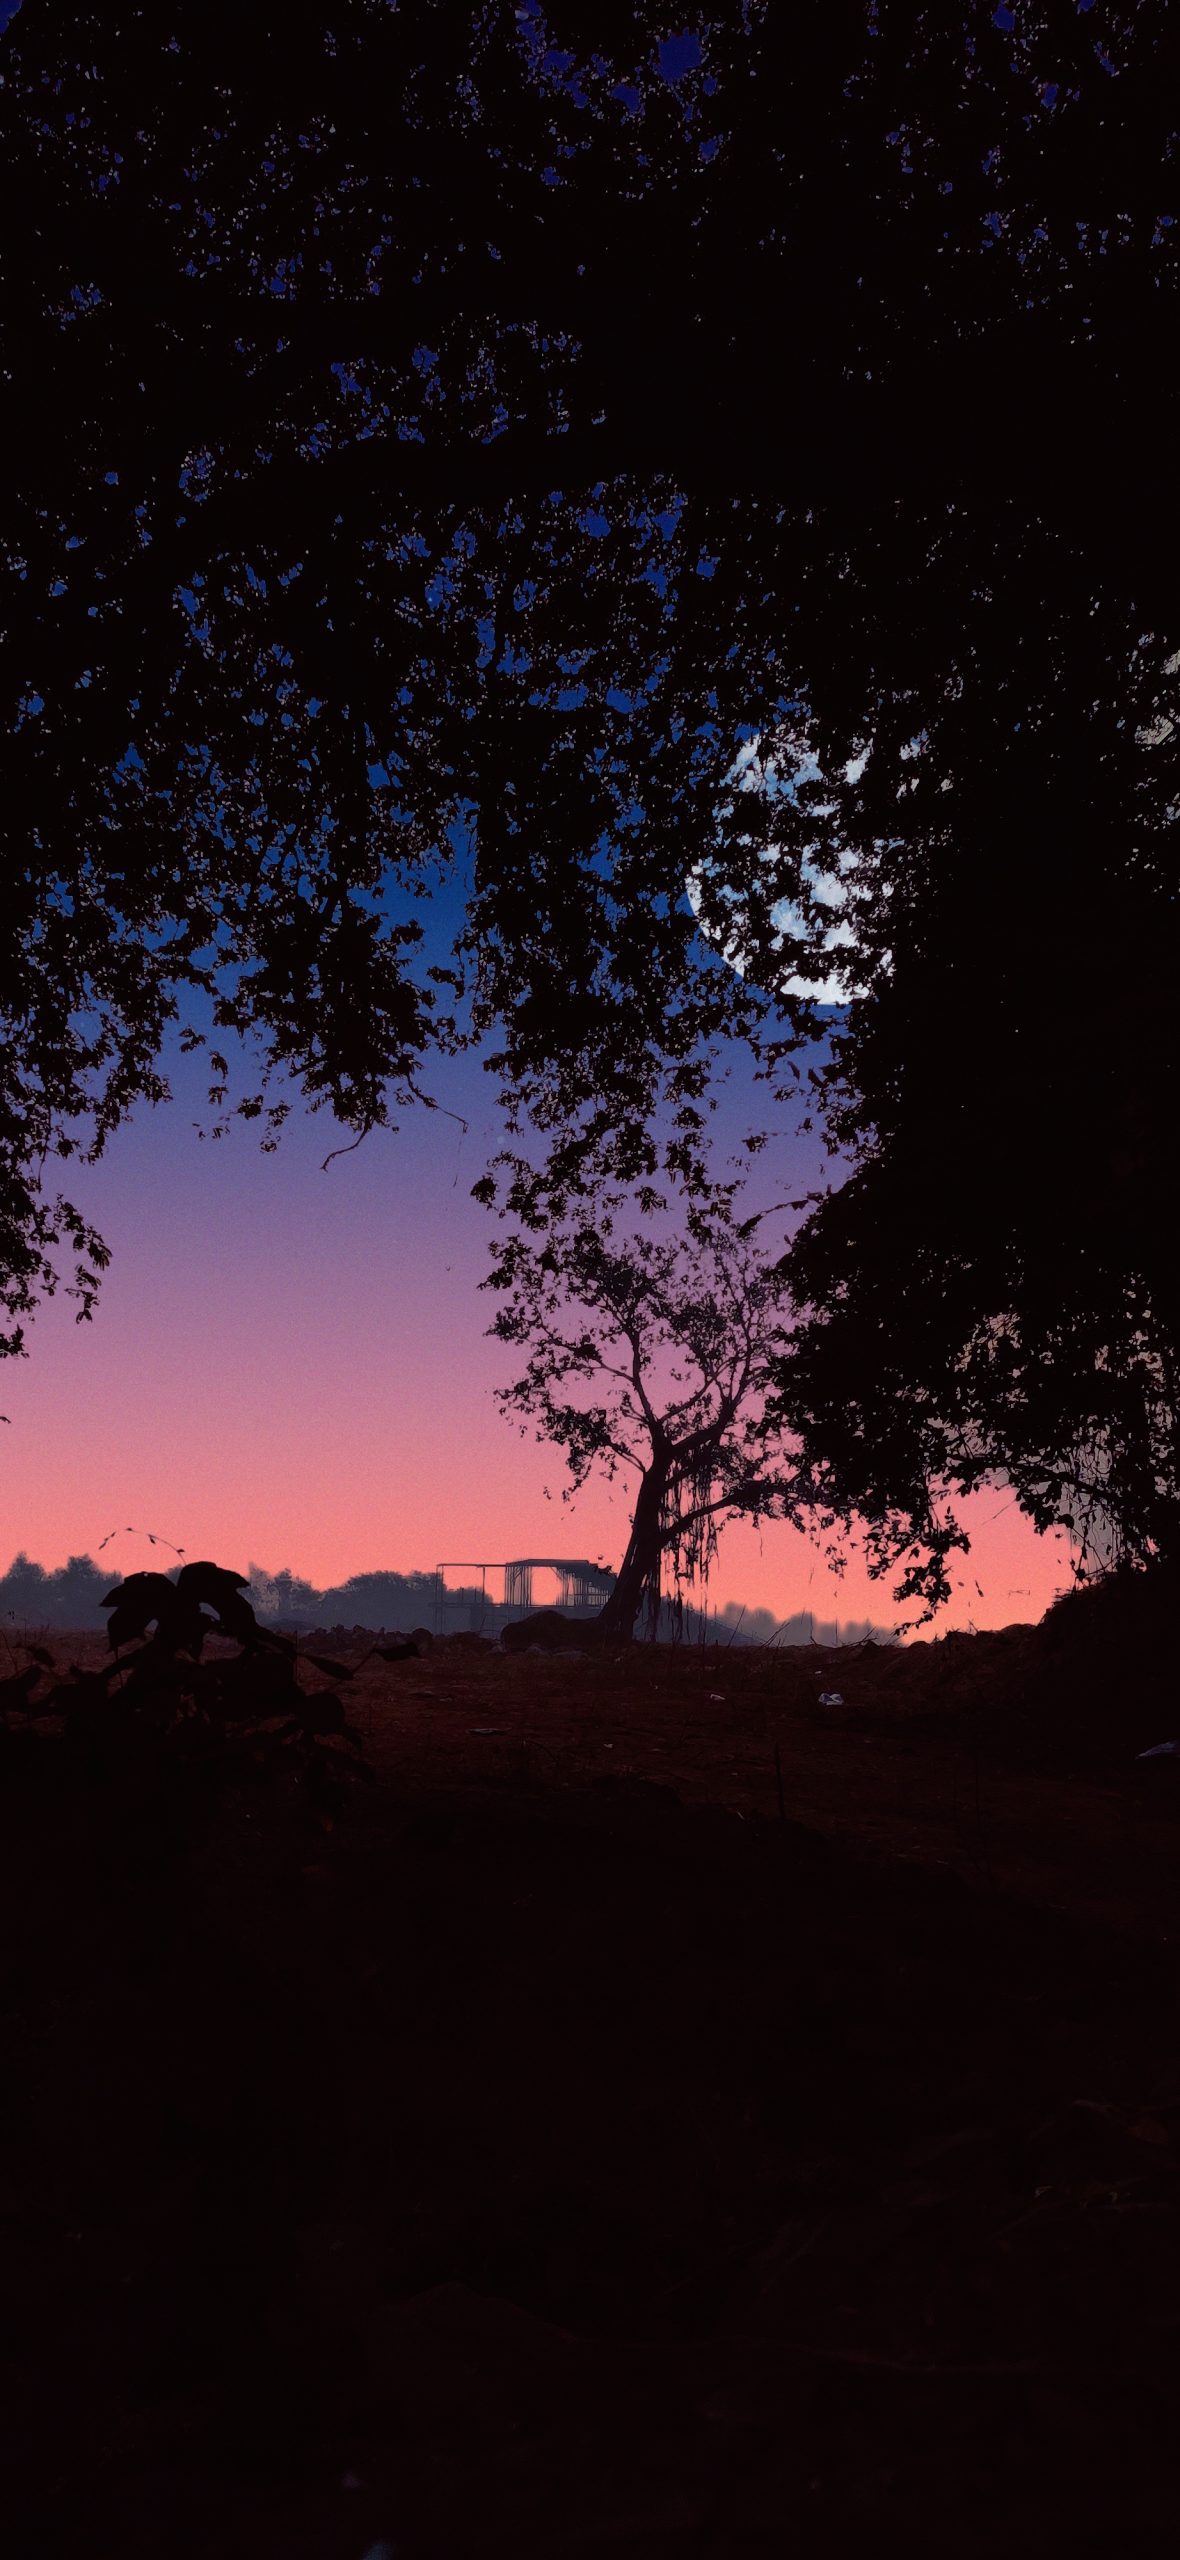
{"points": [[291, 1368]]}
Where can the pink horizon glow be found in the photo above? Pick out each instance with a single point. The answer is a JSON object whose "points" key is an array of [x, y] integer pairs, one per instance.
{"points": [[289, 1367]]}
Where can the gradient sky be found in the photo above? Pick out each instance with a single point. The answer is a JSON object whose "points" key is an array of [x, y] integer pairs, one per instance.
{"points": [[289, 1367]]}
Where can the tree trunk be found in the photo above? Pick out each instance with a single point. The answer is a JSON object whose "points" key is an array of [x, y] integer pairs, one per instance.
{"points": [[639, 1572]]}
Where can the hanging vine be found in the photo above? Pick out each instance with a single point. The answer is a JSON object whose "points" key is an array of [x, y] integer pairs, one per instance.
{"points": [[649, 1350]]}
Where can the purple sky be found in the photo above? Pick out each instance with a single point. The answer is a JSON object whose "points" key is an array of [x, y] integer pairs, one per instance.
{"points": [[289, 1367]]}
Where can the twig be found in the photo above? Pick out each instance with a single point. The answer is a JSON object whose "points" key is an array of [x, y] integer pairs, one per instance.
{"points": [[350, 1150], [429, 1104], [152, 1535]]}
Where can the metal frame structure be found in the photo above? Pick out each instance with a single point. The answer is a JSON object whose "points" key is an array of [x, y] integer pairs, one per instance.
{"points": [[581, 1586]]}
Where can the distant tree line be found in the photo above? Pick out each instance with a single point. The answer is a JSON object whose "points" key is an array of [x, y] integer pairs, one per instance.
{"points": [[71, 1594], [69, 1597], [385, 1599], [760, 1626]]}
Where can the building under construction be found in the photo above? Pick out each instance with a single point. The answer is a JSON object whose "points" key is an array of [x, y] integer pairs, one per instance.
{"points": [[581, 1589]]}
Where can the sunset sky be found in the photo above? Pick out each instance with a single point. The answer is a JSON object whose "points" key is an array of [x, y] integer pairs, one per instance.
{"points": [[288, 1367]]}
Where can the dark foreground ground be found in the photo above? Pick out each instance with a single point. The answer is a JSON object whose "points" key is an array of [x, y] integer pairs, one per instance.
{"points": [[567, 2153]]}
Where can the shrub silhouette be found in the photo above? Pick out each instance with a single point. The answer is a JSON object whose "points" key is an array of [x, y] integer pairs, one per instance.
{"points": [[245, 1711]]}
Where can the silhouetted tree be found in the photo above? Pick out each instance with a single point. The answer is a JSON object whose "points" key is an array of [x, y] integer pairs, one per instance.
{"points": [[400, 474], [73, 1593], [991, 1288], [650, 1354], [22, 1592], [380, 1599], [389, 444], [285, 1597]]}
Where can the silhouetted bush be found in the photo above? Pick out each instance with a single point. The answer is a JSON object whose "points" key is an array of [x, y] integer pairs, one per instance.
{"points": [[164, 1703]]}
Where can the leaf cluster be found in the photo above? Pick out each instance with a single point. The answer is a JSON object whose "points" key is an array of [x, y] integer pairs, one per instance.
{"points": [[245, 1713]]}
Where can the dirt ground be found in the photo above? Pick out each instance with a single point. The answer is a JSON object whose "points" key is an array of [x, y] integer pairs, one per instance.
{"points": [[579, 2147]]}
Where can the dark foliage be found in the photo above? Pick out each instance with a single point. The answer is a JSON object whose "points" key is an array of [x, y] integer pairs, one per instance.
{"points": [[161, 1699], [992, 1287], [458, 427]]}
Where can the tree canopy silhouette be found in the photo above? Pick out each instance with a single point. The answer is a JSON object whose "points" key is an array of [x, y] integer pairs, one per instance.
{"points": [[438, 440], [648, 1354], [991, 1289]]}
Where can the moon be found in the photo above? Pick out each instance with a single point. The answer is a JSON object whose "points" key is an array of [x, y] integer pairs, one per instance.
{"points": [[752, 770]]}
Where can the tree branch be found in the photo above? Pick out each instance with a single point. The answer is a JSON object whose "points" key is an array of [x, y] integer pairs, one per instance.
{"points": [[737, 1498]]}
